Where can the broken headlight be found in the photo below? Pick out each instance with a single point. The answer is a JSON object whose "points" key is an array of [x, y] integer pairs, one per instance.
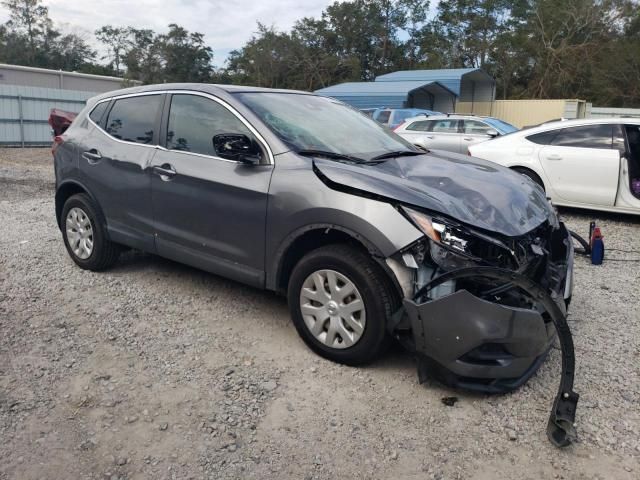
{"points": [[453, 246]]}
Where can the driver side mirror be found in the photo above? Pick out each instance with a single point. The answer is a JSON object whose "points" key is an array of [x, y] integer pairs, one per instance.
{"points": [[237, 147], [493, 133]]}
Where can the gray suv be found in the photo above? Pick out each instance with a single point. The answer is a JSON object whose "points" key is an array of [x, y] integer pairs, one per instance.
{"points": [[460, 260]]}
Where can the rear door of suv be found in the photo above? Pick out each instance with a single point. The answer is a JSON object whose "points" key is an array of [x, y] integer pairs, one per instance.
{"points": [[114, 160], [209, 211]]}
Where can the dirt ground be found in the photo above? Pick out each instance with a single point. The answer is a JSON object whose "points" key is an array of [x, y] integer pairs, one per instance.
{"points": [[154, 370]]}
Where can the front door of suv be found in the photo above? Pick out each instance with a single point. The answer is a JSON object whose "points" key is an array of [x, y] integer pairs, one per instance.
{"points": [[208, 211]]}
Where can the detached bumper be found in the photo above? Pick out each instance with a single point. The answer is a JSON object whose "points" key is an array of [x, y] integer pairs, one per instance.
{"points": [[476, 344], [479, 345]]}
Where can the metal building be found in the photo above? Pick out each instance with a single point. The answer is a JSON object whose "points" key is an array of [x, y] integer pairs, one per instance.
{"points": [[431, 89], [416, 94], [469, 84], [42, 77], [28, 94]]}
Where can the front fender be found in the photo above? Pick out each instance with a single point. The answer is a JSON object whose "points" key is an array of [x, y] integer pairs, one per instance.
{"points": [[299, 201]]}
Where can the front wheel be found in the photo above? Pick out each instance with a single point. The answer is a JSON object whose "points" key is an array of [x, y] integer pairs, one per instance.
{"points": [[340, 300]]}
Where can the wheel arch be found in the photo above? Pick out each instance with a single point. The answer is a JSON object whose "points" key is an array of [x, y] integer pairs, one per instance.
{"points": [[66, 190], [311, 237], [519, 168]]}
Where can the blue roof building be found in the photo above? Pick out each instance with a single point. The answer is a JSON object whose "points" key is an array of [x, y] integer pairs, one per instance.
{"points": [[431, 89]]}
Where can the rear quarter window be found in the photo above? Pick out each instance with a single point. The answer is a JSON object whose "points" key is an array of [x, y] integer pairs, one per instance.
{"points": [[543, 138], [98, 112]]}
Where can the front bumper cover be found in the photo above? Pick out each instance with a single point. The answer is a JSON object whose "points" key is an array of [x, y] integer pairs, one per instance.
{"points": [[445, 327], [478, 345]]}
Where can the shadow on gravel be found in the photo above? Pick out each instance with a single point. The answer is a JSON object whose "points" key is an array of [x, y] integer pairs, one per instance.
{"points": [[134, 261], [624, 218]]}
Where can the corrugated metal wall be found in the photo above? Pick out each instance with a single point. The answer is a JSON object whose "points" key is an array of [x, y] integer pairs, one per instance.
{"points": [[24, 112], [522, 113], [373, 101]]}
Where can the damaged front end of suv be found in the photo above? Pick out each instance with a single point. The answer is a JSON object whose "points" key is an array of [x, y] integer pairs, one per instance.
{"points": [[481, 312], [487, 285]]}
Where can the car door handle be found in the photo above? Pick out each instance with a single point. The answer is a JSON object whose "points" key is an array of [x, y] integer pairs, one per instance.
{"points": [[165, 171], [468, 139], [92, 156], [554, 156], [430, 137]]}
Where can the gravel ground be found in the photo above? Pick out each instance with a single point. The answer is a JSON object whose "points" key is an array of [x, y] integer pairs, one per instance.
{"points": [[156, 370]]}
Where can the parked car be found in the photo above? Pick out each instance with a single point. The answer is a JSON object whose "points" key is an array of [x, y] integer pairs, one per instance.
{"points": [[368, 111], [587, 163], [368, 236], [454, 133], [392, 117]]}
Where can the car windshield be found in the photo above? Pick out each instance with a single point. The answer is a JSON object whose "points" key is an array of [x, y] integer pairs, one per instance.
{"points": [[502, 127], [309, 122]]}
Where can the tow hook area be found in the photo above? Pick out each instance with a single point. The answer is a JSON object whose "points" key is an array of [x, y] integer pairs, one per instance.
{"points": [[514, 323]]}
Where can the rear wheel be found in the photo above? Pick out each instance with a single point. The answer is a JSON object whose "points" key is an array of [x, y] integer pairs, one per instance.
{"points": [[531, 174], [340, 301], [85, 235]]}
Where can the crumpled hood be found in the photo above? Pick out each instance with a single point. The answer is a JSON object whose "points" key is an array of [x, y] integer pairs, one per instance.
{"points": [[473, 191]]}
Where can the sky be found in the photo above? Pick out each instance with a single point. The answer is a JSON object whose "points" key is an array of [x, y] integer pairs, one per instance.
{"points": [[226, 24]]}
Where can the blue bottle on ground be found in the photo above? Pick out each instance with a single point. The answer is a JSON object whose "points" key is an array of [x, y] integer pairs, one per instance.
{"points": [[597, 247]]}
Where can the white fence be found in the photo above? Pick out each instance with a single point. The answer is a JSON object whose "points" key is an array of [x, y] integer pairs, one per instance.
{"points": [[601, 112], [24, 112]]}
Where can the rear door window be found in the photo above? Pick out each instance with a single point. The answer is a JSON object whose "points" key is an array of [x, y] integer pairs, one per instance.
{"points": [[444, 126], [419, 126], [585, 136], [195, 120], [474, 127], [133, 119]]}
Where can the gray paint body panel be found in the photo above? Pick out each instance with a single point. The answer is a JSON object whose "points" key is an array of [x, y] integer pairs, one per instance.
{"points": [[299, 200]]}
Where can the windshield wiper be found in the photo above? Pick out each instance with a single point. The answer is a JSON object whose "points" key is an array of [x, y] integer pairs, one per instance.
{"points": [[330, 154], [399, 153]]}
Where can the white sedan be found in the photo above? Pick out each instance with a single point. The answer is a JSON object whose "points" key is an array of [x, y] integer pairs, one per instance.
{"points": [[588, 163]]}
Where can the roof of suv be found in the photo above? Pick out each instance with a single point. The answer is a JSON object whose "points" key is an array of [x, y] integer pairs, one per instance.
{"points": [[200, 87], [454, 116]]}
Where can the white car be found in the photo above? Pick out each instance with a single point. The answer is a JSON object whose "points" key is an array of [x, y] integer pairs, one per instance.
{"points": [[588, 163], [451, 132]]}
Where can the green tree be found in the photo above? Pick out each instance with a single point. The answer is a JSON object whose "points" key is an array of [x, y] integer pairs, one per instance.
{"points": [[28, 22], [30, 38], [184, 56], [118, 41]]}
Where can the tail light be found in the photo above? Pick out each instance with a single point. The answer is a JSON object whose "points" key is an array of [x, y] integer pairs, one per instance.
{"points": [[401, 124], [57, 141], [469, 152]]}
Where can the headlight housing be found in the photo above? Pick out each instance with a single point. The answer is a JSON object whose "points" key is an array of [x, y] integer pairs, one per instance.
{"points": [[453, 246]]}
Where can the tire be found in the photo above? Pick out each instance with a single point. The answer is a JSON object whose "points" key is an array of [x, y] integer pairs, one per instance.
{"points": [[371, 286], [531, 174], [103, 253]]}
